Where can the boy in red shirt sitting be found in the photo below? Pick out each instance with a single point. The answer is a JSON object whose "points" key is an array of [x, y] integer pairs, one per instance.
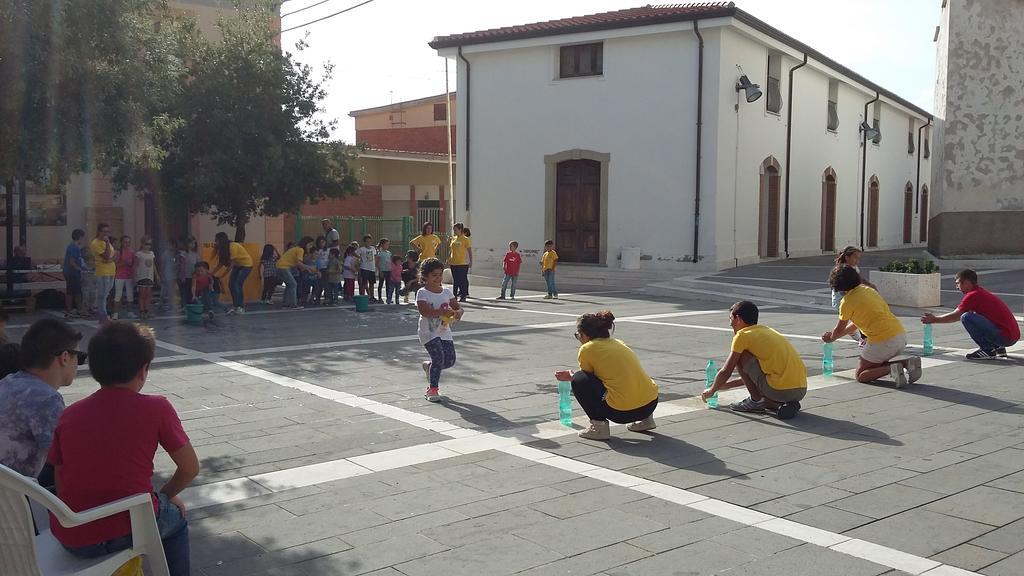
{"points": [[986, 318], [104, 445]]}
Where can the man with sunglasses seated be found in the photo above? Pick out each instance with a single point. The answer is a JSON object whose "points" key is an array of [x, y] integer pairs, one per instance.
{"points": [[30, 403]]}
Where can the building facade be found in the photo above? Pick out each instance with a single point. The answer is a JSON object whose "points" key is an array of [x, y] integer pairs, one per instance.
{"points": [[979, 105], [405, 166], [626, 129]]}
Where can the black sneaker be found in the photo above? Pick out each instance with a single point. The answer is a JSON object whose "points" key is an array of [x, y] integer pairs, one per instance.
{"points": [[787, 410], [1001, 352], [980, 354]]}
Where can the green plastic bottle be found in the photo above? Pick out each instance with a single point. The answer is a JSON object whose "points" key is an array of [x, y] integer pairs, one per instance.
{"points": [[709, 379]]}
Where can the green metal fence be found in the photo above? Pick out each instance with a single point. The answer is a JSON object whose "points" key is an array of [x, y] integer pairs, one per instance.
{"points": [[352, 228]]}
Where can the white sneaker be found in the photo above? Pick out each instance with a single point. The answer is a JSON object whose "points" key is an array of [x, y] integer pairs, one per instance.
{"points": [[898, 374], [642, 425], [914, 369], [598, 430], [239, 310], [114, 316]]}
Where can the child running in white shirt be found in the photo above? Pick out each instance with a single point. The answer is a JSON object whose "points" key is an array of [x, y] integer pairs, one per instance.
{"points": [[438, 308]]}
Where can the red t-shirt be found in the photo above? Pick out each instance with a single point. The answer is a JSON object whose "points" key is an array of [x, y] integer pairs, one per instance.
{"points": [[990, 306], [103, 449], [203, 282], [125, 265], [513, 260]]}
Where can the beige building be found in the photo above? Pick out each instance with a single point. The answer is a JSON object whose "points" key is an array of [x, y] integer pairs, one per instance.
{"points": [[978, 169]]}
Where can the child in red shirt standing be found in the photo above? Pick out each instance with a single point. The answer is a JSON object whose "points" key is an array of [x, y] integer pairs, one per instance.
{"points": [[513, 260], [104, 445]]}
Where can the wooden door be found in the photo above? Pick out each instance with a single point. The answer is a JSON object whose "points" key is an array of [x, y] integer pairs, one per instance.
{"points": [[908, 214], [924, 214], [828, 215], [578, 211], [873, 215], [768, 234]]}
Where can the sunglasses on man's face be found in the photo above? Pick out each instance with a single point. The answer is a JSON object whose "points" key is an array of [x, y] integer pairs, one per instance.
{"points": [[82, 356]]}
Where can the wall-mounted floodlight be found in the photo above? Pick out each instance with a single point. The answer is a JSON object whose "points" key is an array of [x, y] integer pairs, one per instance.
{"points": [[870, 132], [752, 91]]}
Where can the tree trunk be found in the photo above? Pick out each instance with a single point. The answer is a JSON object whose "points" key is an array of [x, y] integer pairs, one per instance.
{"points": [[9, 224], [240, 230]]}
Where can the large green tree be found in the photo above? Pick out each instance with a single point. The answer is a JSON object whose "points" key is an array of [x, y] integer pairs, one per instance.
{"points": [[83, 82], [253, 140]]}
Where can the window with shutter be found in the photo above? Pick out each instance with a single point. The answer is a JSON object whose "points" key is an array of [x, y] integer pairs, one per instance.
{"points": [[773, 102], [440, 112], [877, 124], [910, 136], [927, 149], [581, 60], [833, 105]]}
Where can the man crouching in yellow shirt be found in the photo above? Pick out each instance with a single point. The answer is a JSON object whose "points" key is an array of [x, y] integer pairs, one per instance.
{"points": [[767, 363]]}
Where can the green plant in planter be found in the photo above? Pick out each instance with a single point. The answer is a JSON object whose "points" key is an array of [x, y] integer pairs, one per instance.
{"points": [[912, 266]]}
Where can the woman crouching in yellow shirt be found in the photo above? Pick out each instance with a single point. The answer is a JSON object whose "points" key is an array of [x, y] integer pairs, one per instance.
{"points": [[611, 383], [863, 308]]}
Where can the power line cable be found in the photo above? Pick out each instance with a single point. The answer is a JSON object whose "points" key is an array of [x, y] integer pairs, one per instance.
{"points": [[297, 10], [326, 17]]}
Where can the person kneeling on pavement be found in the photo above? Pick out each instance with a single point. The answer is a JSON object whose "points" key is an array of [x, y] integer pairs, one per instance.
{"points": [[611, 384], [767, 363]]}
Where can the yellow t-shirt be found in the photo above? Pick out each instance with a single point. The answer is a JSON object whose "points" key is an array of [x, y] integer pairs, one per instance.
{"points": [[98, 248], [547, 262], [778, 359], [291, 258], [427, 245], [868, 310], [629, 387], [239, 255], [458, 251]]}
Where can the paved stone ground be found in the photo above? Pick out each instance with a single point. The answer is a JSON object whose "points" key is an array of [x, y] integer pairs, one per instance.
{"points": [[321, 457]]}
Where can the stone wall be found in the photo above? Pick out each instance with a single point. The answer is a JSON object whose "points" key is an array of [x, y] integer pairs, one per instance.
{"points": [[978, 171]]}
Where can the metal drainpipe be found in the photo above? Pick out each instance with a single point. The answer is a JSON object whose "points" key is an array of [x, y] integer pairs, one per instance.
{"points": [[789, 148], [917, 196], [700, 120], [465, 153], [864, 168]]}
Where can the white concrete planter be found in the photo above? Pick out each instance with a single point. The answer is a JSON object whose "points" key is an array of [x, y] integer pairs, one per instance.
{"points": [[916, 290]]}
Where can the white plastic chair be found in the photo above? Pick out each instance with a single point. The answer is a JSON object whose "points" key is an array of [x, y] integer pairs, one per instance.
{"points": [[25, 554]]}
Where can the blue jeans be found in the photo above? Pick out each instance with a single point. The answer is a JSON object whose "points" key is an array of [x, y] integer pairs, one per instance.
{"points": [[506, 281], [211, 301], [290, 287], [236, 284], [173, 529], [549, 277], [104, 284], [984, 333]]}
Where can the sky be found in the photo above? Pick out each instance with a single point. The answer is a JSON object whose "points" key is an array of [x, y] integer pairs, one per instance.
{"points": [[380, 50]]}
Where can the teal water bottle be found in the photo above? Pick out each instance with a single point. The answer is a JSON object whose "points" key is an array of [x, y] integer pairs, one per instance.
{"points": [[565, 403], [709, 378], [826, 359], [929, 344]]}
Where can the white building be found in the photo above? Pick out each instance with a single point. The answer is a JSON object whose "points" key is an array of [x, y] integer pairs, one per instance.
{"points": [[626, 129]]}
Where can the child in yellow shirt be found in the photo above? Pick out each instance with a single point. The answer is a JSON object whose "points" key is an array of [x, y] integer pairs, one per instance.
{"points": [[548, 262]]}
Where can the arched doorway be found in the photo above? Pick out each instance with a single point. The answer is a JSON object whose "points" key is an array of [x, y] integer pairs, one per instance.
{"points": [[873, 213], [908, 213], [828, 210], [769, 204], [578, 211], [924, 214]]}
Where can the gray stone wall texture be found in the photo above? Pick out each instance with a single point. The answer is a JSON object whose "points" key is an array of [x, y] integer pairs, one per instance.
{"points": [[978, 168]]}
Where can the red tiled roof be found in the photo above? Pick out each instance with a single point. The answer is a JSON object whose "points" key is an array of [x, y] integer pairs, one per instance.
{"points": [[642, 16]]}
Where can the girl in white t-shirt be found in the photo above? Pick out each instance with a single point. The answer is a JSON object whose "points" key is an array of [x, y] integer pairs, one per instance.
{"points": [[145, 274], [438, 309]]}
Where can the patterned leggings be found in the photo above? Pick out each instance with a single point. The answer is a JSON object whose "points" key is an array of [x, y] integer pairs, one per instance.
{"points": [[442, 355]]}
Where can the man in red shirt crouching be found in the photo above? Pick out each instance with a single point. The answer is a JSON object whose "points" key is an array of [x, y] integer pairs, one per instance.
{"points": [[104, 445], [987, 318]]}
